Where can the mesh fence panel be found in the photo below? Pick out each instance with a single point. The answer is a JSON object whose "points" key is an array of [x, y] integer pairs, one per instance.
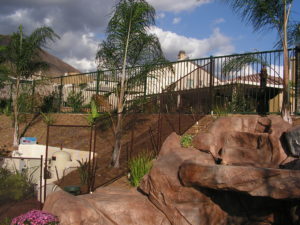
{"points": [[20, 185]]}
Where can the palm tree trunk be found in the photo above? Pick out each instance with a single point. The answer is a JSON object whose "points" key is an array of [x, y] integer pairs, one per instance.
{"points": [[117, 147], [16, 115], [118, 131], [285, 109]]}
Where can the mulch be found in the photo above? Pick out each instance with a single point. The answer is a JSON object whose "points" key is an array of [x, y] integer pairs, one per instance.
{"points": [[14, 209]]}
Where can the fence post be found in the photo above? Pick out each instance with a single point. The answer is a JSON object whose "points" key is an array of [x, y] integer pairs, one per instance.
{"points": [[41, 182], [144, 94], [11, 96], [32, 95], [297, 79], [97, 84], [211, 83], [60, 93], [46, 163]]}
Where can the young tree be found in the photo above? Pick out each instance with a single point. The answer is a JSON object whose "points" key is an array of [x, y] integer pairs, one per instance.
{"points": [[129, 44], [21, 58], [266, 14]]}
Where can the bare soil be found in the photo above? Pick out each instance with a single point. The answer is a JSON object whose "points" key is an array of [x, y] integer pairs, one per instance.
{"points": [[14, 209]]}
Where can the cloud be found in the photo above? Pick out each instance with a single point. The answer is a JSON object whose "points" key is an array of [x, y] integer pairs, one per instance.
{"points": [[77, 48], [172, 43], [218, 21], [81, 24], [177, 5], [63, 14], [83, 64], [176, 20], [160, 15], [76, 21]]}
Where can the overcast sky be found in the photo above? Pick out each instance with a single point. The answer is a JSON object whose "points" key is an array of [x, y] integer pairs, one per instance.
{"points": [[199, 27]]}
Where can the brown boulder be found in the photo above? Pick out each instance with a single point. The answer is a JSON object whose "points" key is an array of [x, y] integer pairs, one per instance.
{"points": [[203, 141], [274, 183], [105, 206], [181, 205], [278, 127], [223, 125], [245, 140], [171, 142], [247, 149]]}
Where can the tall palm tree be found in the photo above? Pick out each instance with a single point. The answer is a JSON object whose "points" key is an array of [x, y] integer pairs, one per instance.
{"points": [[129, 44], [270, 14], [21, 58]]}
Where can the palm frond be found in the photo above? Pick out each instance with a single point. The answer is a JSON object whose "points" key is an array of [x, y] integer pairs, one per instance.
{"points": [[24, 56], [41, 36], [237, 63], [293, 31]]}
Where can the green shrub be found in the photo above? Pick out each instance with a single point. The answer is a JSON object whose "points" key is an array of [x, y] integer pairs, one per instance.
{"points": [[75, 100], [186, 140], [93, 115], [83, 170], [3, 103], [50, 103], [5, 221], [139, 166], [25, 102], [7, 110], [15, 186], [219, 111], [47, 118]]}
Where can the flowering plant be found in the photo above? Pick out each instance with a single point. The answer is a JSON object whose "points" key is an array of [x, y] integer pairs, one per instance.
{"points": [[35, 217]]}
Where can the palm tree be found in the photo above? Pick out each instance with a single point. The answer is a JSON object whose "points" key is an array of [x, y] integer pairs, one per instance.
{"points": [[21, 58], [129, 44], [266, 14]]}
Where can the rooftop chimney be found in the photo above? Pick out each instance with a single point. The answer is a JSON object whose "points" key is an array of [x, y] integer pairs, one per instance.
{"points": [[182, 55]]}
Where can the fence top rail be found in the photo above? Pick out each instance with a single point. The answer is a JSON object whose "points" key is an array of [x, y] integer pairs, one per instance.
{"points": [[62, 125], [10, 157], [172, 62]]}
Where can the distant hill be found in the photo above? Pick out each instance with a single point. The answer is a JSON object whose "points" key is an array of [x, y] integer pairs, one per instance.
{"points": [[57, 67]]}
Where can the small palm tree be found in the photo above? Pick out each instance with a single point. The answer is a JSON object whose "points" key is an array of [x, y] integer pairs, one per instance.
{"points": [[129, 44], [266, 14], [21, 58]]}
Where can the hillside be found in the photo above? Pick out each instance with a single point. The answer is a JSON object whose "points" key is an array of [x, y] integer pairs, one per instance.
{"points": [[142, 132], [57, 67]]}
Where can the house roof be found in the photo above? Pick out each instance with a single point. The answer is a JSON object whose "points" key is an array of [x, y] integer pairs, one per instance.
{"points": [[57, 67], [73, 79], [254, 79]]}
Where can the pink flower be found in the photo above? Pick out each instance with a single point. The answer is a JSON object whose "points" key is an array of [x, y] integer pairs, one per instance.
{"points": [[35, 217]]}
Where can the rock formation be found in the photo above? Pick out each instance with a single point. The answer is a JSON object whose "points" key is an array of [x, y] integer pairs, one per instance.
{"points": [[240, 172]]}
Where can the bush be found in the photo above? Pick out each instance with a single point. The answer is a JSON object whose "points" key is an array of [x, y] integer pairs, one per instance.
{"points": [[7, 110], [75, 100], [3, 104], [15, 186], [239, 102], [25, 102], [35, 217], [47, 118], [83, 170], [29, 103], [186, 140], [93, 115], [50, 103], [139, 166], [219, 111], [5, 221]]}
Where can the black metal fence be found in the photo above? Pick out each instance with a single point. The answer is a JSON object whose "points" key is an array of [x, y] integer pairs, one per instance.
{"points": [[222, 83]]}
